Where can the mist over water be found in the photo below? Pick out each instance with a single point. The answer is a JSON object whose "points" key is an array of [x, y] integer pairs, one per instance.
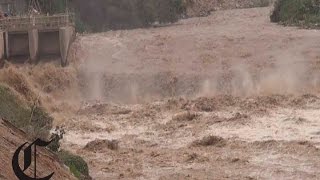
{"points": [[145, 65], [281, 78]]}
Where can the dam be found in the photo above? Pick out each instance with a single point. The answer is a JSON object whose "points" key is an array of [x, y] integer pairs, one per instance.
{"points": [[36, 36]]}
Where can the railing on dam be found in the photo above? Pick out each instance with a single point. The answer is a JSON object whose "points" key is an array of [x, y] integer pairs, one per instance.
{"points": [[41, 22]]}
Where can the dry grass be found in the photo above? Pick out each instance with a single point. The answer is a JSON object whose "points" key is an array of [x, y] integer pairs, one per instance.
{"points": [[19, 82]]}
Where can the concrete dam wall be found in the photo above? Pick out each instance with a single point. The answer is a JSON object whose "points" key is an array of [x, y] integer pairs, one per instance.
{"points": [[51, 37]]}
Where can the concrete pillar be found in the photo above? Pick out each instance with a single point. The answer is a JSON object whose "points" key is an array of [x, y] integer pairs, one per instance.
{"points": [[6, 44], [66, 36], [2, 45], [33, 44]]}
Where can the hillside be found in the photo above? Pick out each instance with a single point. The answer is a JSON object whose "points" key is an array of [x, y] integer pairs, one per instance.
{"points": [[10, 139]]}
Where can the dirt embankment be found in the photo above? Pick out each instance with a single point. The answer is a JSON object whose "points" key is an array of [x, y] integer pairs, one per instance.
{"points": [[11, 139]]}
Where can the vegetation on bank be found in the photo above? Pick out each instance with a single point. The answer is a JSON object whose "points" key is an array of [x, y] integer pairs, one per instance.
{"points": [[102, 15], [77, 165], [305, 13], [261, 3], [32, 119], [36, 122]]}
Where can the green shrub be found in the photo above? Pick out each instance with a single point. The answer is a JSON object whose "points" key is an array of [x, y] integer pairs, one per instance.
{"points": [[56, 6], [54, 145], [297, 12], [76, 164], [261, 3], [169, 11], [34, 120], [81, 27]]}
